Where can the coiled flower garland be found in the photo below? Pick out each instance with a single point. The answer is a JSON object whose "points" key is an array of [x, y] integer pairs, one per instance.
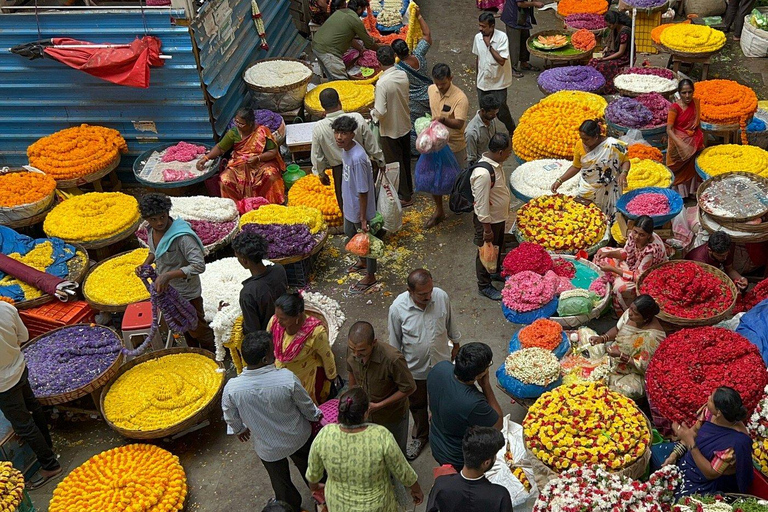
{"points": [[572, 78], [726, 102]]}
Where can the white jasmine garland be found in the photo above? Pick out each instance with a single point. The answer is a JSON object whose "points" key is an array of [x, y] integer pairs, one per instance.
{"points": [[533, 366], [213, 209], [390, 17], [330, 309], [640, 84], [758, 422], [276, 73], [535, 178]]}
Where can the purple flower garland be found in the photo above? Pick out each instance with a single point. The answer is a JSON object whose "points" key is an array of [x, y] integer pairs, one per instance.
{"points": [[571, 78], [628, 113], [284, 239], [645, 4], [586, 20], [207, 231], [658, 105]]}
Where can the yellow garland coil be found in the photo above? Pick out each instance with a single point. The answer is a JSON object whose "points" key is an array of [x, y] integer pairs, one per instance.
{"points": [[92, 216], [414, 34], [11, 487], [235, 343], [162, 392], [277, 214], [647, 173], [616, 234], [354, 95], [760, 454], [115, 283], [691, 38], [726, 158], [309, 191], [561, 223], [40, 258], [131, 478]]}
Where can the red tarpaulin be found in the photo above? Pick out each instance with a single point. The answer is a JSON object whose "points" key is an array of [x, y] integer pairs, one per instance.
{"points": [[125, 65]]}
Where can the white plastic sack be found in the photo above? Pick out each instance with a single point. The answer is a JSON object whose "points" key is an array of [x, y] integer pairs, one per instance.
{"points": [[388, 204], [633, 136], [501, 474], [754, 41]]}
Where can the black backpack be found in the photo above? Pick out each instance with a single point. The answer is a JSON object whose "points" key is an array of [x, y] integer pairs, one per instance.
{"points": [[461, 199]]}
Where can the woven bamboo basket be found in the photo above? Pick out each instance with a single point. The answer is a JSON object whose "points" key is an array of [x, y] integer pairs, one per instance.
{"points": [[98, 244], [89, 178], [76, 274], [210, 248], [548, 55], [695, 322], [283, 98], [684, 55], [280, 88], [321, 238], [633, 94], [141, 162], [181, 426], [738, 236], [109, 308], [20, 216], [737, 222], [87, 389]]}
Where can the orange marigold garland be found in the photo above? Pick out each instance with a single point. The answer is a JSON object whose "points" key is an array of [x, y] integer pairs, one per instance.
{"points": [[583, 39], [8, 300], [77, 151], [726, 102], [542, 333], [568, 7], [20, 188], [645, 152], [370, 26]]}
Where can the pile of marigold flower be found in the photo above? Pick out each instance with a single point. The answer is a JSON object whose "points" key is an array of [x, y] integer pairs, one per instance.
{"points": [[115, 283], [162, 392], [309, 191], [543, 333], [560, 223], [277, 214], [76, 152], [689, 38], [656, 32], [647, 173], [583, 39], [726, 158], [354, 96], [644, 152], [21, 188], [568, 7], [92, 216], [726, 102], [136, 477], [11, 487]]}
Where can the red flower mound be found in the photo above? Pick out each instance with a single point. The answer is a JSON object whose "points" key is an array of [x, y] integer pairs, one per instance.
{"points": [[527, 256], [564, 268], [752, 298], [691, 363], [685, 290]]}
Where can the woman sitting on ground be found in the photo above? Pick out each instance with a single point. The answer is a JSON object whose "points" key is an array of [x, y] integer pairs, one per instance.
{"points": [[616, 53]]}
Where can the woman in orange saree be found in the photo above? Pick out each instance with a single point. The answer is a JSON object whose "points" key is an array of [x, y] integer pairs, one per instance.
{"points": [[255, 167], [686, 139]]}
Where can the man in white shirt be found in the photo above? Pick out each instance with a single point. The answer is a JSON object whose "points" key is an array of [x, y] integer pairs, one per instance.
{"points": [[392, 112], [494, 69], [17, 401], [326, 154], [492, 199], [421, 328]]}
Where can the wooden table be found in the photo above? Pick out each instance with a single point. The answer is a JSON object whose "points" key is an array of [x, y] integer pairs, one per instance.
{"points": [[704, 61], [298, 137]]}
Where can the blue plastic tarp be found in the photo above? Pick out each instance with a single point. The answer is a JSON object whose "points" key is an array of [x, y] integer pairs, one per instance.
{"points": [[754, 327]]}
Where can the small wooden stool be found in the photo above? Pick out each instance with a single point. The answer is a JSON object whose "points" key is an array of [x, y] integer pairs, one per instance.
{"points": [[704, 61]]}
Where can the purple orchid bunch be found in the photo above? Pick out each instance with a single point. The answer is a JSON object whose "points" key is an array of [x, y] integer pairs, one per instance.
{"points": [[284, 239], [271, 120], [585, 20], [645, 4], [571, 78], [70, 358], [628, 113], [662, 72], [658, 105]]}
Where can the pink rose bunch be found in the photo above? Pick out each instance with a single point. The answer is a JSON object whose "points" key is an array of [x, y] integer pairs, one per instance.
{"points": [[176, 175], [600, 285], [651, 204], [182, 152], [527, 290], [368, 60]]}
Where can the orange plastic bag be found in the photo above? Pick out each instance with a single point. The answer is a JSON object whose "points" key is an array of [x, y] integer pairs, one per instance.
{"points": [[359, 245], [489, 256]]}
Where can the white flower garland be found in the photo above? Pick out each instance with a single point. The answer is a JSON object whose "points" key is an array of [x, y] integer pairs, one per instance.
{"points": [[533, 366], [535, 178], [330, 309], [641, 84], [758, 422], [277, 73], [213, 209]]}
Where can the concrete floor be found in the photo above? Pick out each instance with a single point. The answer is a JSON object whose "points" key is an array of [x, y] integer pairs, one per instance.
{"points": [[225, 474]]}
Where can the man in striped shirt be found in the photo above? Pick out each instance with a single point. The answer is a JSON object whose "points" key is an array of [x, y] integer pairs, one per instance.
{"points": [[272, 404]]}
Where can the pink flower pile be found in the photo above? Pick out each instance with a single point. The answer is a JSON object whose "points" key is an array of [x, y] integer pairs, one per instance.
{"points": [[564, 268], [527, 290], [183, 152], [662, 72], [368, 60], [652, 204], [527, 256], [177, 175], [658, 105], [600, 285], [250, 203]]}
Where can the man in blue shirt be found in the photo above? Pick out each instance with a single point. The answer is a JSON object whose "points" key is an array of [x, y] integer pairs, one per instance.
{"points": [[518, 16], [357, 190]]}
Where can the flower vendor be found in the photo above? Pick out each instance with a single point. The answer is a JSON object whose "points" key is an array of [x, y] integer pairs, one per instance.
{"points": [[616, 52], [456, 404], [392, 113], [719, 252], [266, 284], [17, 401], [177, 253], [255, 167], [270, 405], [518, 17], [337, 34], [469, 490], [719, 453], [494, 68], [384, 375], [482, 127], [603, 164], [421, 328], [326, 154], [358, 192], [414, 63], [491, 208], [360, 460], [301, 345], [635, 339], [643, 249], [686, 139]]}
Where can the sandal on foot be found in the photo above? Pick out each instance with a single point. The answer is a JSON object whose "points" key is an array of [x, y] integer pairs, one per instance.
{"points": [[359, 288], [434, 221], [40, 480], [354, 269], [414, 449]]}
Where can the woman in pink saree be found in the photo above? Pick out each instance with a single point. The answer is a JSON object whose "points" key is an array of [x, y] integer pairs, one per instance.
{"points": [[686, 139]]}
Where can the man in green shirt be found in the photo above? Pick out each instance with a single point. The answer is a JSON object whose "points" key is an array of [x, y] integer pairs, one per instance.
{"points": [[337, 34]]}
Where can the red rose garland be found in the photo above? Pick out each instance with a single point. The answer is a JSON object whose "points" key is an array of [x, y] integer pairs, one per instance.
{"points": [[691, 363], [527, 256]]}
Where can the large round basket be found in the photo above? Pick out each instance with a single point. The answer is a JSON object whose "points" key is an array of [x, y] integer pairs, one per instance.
{"points": [[34, 219], [695, 322], [283, 98], [712, 127], [173, 429], [98, 244], [633, 94], [140, 163], [108, 308], [26, 214], [737, 235], [598, 32], [675, 204], [566, 54], [590, 250], [575, 321], [759, 182], [647, 132], [208, 249], [89, 388], [89, 178], [648, 10], [684, 55], [321, 237], [78, 267]]}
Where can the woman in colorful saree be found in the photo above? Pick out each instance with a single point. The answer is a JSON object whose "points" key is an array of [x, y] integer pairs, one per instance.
{"points": [[686, 139], [255, 167], [301, 345]]}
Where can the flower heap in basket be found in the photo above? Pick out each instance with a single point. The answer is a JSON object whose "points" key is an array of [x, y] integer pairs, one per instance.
{"points": [[136, 477], [550, 128], [586, 423], [566, 8], [92, 217], [647, 173], [289, 230], [691, 363], [535, 178], [589, 21], [41, 257], [76, 152], [161, 393], [22, 188], [572, 78], [354, 96], [11, 487], [644, 112], [115, 283], [645, 80], [725, 102], [758, 429], [561, 223], [652, 204], [716, 160], [583, 40], [644, 152], [310, 191], [689, 38]]}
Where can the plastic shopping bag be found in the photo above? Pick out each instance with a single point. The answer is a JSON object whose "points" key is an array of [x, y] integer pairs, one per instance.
{"points": [[433, 138], [388, 203], [489, 256], [436, 172], [365, 245], [513, 459], [421, 123]]}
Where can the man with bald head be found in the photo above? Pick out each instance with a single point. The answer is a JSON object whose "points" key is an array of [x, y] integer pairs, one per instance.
{"points": [[383, 373], [421, 327]]}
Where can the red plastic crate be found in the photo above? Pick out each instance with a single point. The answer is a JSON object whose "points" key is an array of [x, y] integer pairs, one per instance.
{"points": [[759, 486], [48, 317]]}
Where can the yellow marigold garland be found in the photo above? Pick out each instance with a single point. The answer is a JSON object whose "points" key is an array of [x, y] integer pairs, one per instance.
{"points": [[21, 188], [647, 173], [11, 487], [277, 214], [414, 34], [726, 158], [92, 216], [40, 258], [115, 283], [135, 478], [163, 392], [689, 38], [560, 223], [309, 191], [586, 99], [235, 343], [77, 151], [760, 454], [354, 95], [726, 102]]}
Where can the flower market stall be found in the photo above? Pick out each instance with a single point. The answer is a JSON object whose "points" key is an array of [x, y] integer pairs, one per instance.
{"points": [[112, 284], [716, 160], [736, 202], [278, 84], [557, 46], [309, 191], [726, 106], [170, 165], [689, 44], [646, 112], [660, 204]]}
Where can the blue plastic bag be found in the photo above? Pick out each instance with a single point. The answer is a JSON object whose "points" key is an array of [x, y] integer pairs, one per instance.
{"points": [[519, 389], [436, 172], [560, 350], [528, 317]]}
